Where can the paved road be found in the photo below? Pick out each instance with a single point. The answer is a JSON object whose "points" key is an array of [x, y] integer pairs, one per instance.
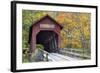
{"points": [[59, 57]]}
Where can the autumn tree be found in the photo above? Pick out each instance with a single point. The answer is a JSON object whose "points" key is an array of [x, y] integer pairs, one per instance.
{"points": [[77, 28]]}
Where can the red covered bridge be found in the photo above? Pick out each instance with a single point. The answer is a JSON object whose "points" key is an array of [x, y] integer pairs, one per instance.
{"points": [[45, 31]]}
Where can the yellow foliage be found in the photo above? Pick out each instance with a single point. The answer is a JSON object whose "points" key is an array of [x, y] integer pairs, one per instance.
{"points": [[78, 24], [63, 39], [76, 43]]}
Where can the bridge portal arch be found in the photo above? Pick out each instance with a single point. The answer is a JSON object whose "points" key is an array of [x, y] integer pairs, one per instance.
{"points": [[49, 39]]}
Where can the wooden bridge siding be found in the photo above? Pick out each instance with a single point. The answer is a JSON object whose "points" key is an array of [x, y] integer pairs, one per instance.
{"points": [[36, 29]]}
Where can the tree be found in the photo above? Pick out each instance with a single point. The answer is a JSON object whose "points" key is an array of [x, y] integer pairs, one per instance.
{"points": [[76, 26]]}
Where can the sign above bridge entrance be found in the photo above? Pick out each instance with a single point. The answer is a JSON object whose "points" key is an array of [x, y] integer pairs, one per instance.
{"points": [[47, 26]]}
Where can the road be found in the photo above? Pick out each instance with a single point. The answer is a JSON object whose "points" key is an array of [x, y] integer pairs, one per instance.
{"points": [[59, 57]]}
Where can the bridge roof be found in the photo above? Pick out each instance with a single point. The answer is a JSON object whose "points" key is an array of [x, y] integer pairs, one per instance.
{"points": [[50, 18]]}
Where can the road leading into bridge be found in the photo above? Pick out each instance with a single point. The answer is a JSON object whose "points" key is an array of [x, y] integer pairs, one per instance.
{"points": [[59, 57]]}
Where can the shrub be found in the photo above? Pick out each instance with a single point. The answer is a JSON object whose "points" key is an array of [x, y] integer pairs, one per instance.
{"points": [[39, 46]]}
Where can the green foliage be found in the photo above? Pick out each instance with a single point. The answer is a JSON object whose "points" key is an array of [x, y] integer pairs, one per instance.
{"points": [[25, 55], [39, 46], [69, 46]]}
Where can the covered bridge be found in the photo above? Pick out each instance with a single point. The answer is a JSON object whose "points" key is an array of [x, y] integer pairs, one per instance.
{"points": [[45, 31]]}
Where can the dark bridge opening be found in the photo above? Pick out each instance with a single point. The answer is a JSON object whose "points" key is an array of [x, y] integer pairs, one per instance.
{"points": [[48, 39]]}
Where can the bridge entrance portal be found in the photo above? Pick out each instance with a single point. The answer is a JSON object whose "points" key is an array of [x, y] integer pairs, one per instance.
{"points": [[49, 39]]}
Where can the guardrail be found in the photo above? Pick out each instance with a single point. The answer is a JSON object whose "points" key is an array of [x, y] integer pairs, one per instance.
{"points": [[81, 53]]}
